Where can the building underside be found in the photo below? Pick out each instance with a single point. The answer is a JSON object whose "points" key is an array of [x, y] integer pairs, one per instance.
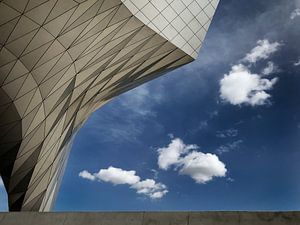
{"points": [[60, 60]]}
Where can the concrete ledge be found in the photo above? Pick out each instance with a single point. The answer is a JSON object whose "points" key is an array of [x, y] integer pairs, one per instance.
{"points": [[151, 218]]}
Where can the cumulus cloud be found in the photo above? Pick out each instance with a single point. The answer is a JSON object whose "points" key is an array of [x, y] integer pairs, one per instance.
{"points": [[187, 160], [117, 176], [202, 167], [263, 50], [87, 175], [150, 188], [241, 86], [295, 14], [171, 154]]}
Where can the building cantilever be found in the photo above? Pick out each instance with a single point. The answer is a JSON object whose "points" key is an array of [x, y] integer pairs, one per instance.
{"points": [[60, 60]]}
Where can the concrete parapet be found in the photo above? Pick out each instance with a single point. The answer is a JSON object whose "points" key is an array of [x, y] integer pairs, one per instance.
{"points": [[151, 218]]}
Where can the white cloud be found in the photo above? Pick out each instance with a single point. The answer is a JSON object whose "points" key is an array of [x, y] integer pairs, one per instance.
{"points": [[263, 50], [295, 13], [271, 68], [117, 176], [297, 63], [170, 155], [150, 188], [86, 175], [241, 86], [202, 167]]}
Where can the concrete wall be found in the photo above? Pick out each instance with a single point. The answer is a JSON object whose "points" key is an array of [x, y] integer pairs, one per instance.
{"points": [[152, 218]]}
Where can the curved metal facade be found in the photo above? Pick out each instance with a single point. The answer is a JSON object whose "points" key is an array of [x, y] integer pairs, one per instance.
{"points": [[183, 22], [60, 60]]}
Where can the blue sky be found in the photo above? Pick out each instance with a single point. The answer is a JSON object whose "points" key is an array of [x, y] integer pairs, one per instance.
{"points": [[221, 133]]}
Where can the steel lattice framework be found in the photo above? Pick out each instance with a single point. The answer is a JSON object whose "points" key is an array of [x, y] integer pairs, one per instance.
{"points": [[60, 60]]}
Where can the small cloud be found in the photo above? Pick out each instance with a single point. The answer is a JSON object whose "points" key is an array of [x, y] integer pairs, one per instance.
{"points": [[263, 50], [295, 14], [297, 63], [271, 68], [117, 176], [171, 155], [229, 147], [202, 167], [227, 133], [150, 188], [241, 86], [87, 175]]}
